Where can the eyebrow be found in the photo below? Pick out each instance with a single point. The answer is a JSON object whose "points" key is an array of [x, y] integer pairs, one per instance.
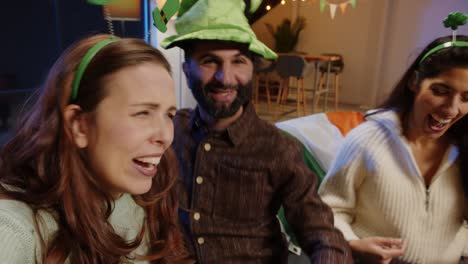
{"points": [[443, 84], [446, 86], [153, 105], [209, 54]]}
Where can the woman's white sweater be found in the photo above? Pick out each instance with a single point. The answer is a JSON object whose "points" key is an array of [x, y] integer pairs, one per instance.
{"points": [[19, 240], [375, 188]]}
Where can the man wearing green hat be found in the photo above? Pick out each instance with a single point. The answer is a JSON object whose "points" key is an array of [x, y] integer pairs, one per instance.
{"points": [[236, 169]]}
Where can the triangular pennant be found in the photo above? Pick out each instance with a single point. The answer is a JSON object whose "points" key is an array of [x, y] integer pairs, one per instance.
{"points": [[353, 3], [161, 17], [332, 10], [323, 4], [343, 7]]}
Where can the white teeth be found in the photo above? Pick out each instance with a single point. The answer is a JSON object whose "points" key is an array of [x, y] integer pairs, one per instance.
{"points": [[150, 167], [441, 120], [150, 160]]}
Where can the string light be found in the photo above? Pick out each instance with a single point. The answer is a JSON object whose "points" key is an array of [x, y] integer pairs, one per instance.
{"points": [[268, 7], [283, 2]]}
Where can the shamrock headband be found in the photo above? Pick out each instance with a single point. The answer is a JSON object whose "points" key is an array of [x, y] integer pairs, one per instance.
{"points": [[89, 55], [443, 46], [453, 20]]}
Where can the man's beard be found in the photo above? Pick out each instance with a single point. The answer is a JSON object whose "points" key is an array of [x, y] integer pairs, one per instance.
{"points": [[200, 93]]}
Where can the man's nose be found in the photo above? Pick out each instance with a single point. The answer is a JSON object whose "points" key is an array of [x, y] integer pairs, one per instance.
{"points": [[225, 75]]}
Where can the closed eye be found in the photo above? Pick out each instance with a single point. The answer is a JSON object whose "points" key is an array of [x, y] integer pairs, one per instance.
{"points": [[240, 60], [440, 90], [141, 113], [208, 61], [464, 98]]}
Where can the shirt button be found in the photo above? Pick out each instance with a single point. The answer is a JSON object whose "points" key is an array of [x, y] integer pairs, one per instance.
{"points": [[207, 147], [199, 179], [196, 216], [200, 240]]}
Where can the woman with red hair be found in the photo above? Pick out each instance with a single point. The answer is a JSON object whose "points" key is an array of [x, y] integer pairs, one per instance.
{"points": [[88, 176]]}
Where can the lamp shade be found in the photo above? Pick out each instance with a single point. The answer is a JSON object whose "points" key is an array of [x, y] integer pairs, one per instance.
{"points": [[126, 10]]}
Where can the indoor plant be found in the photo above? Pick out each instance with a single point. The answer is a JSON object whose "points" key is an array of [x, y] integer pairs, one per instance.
{"points": [[286, 34]]}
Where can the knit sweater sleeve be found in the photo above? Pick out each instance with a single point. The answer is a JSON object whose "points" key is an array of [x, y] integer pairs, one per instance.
{"points": [[340, 185], [16, 237]]}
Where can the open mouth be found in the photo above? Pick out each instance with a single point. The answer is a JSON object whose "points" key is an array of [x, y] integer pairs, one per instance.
{"points": [[438, 124], [147, 165]]}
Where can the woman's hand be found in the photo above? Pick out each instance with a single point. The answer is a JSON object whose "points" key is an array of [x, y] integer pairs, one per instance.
{"points": [[379, 250]]}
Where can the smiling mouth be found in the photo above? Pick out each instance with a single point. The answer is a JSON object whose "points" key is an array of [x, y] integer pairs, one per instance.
{"points": [[147, 165], [438, 124], [223, 95]]}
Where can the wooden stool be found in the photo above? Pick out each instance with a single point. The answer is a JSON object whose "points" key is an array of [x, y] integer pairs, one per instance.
{"points": [[336, 68]]}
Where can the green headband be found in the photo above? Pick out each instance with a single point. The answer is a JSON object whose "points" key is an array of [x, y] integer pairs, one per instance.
{"points": [[443, 46], [453, 21], [89, 55]]}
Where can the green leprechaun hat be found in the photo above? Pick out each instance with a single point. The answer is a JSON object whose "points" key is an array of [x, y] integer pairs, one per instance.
{"points": [[216, 20]]}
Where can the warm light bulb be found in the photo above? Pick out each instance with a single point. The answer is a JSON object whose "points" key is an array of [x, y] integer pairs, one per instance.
{"points": [[268, 7], [283, 2]]}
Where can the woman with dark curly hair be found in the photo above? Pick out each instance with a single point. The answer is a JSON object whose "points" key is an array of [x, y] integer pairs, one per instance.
{"points": [[89, 175]]}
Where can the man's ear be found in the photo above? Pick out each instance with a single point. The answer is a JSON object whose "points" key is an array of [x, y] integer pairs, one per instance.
{"points": [[413, 82], [76, 125]]}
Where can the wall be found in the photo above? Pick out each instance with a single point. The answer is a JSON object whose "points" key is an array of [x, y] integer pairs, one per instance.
{"points": [[28, 43], [34, 33], [354, 34], [378, 38], [411, 26]]}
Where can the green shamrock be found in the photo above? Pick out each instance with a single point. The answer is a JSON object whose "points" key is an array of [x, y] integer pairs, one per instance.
{"points": [[455, 19]]}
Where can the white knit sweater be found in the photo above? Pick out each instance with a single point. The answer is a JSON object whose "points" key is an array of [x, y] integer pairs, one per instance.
{"points": [[375, 188], [19, 240]]}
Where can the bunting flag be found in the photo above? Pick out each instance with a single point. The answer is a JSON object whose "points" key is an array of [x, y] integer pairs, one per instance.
{"points": [[161, 17], [332, 10], [323, 4], [343, 7], [333, 6]]}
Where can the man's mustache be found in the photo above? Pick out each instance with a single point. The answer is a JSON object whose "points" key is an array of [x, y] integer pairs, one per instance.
{"points": [[217, 88]]}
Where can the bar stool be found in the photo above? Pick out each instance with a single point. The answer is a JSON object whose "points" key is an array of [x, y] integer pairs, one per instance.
{"points": [[262, 79], [292, 66], [336, 68]]}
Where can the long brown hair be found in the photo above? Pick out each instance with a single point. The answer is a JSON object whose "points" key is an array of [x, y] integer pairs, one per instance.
{"points": [[54, 175], [402, 98]]}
